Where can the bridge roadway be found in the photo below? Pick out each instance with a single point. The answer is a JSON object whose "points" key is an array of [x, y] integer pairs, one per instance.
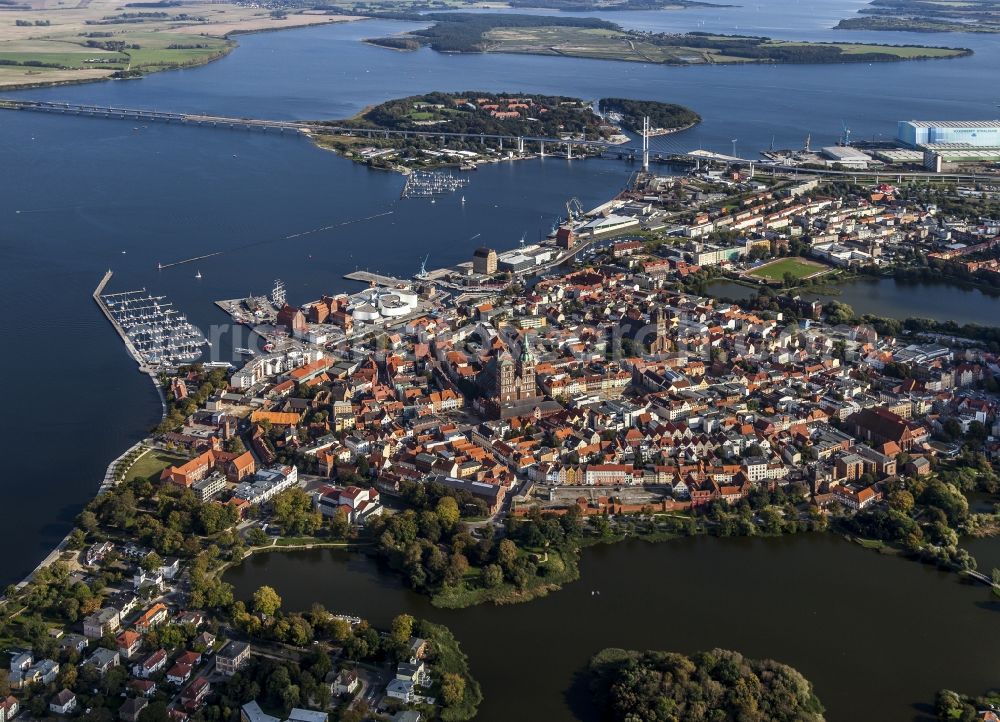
{"points": [[301, 126]]}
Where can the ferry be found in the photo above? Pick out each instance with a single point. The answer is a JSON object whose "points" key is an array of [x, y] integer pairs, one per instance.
{"points": [[244, 351]]}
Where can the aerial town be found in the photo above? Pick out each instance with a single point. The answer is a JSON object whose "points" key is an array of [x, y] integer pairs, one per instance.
{"points": [[500, 360], [477, 424]]}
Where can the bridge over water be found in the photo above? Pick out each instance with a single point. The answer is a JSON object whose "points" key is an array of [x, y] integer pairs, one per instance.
{"points": [[515, 142]]}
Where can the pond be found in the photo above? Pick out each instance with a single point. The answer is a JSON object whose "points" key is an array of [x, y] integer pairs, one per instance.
{"points": [[876, 635]]}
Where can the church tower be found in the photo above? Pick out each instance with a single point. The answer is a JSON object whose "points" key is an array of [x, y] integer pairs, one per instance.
{"points": [[661, 342], [506, 390], [526, 371]]}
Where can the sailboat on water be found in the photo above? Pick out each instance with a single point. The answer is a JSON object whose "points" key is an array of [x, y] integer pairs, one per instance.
{"points": [[198, 274]]}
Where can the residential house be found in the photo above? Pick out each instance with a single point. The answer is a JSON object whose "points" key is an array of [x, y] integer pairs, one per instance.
{"points": [[400, 689], [142, 687], [357, 503], [231, 657], [63, 703], [179, 673], [97, 552], [346, 683], [9, 708], [128, 642], [150, 665], [194, 695], [152, 617], [103, 659], [132, 708], [103, 621]]}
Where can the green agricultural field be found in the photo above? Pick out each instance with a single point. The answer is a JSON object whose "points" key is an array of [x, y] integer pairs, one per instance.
{"points": [[797, 267], [155, 51], [901, 51], [84, 58], [612, 44]]}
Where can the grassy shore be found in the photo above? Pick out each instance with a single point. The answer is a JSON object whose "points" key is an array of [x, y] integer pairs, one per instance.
{"points": [[605, 44], [54, 44], [560, 568]]}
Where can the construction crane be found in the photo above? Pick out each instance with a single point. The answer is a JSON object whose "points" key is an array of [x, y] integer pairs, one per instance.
{"points": [[574, 209]]}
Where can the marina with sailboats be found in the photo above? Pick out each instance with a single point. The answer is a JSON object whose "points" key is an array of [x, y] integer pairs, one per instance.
{"points": [[428, 184], [155, 333]]}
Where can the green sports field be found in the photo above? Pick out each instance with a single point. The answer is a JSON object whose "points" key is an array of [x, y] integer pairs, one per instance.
{"points": [[798, 267]]}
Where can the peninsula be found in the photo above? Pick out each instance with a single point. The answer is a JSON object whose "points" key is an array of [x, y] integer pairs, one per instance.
{"points": [[42, 44], [601, 39], [926, 16]]}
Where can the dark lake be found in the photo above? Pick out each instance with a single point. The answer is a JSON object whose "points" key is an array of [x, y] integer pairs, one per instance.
{"points": [[876, 635]]}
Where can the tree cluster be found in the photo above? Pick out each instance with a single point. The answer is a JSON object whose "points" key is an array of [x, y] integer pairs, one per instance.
{"points": [[718, 685]]}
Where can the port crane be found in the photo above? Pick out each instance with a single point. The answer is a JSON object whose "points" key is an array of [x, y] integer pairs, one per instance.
{"points": [[847, 134], [423, 267]]}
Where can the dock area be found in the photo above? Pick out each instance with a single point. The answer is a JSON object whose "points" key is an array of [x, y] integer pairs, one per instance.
{"points": [[129, 346], [155, 334], [375, 278]]}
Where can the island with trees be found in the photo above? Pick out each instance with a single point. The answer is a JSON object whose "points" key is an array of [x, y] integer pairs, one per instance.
{"points": [[462, 129], [927, 16], [478, 112], [600, 39], [715, 685]]}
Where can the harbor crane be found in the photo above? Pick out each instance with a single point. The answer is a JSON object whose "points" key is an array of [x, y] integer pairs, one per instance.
{"points": [[847, 134], [423, 267]]}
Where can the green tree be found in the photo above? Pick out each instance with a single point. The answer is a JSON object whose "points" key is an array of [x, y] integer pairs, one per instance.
{"points": [[293, 511], [340, 525], [506, 554], [901, 500], [447, 511], [452, 689], [340, 630], [155, 712], [87, 521], [256, 536], [492, 576], [402, 629], [266, 601], [151, 562]]}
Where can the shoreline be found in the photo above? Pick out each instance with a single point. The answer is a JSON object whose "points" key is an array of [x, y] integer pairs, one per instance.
{"points": [[231, 45], [109, 482]]}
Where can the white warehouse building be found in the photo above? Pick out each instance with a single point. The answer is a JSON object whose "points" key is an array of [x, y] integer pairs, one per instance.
{"points": [[967, 133]]}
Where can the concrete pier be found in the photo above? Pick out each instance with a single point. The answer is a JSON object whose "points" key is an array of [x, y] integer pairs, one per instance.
{"points": [[376, 278], [132, 351]]}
